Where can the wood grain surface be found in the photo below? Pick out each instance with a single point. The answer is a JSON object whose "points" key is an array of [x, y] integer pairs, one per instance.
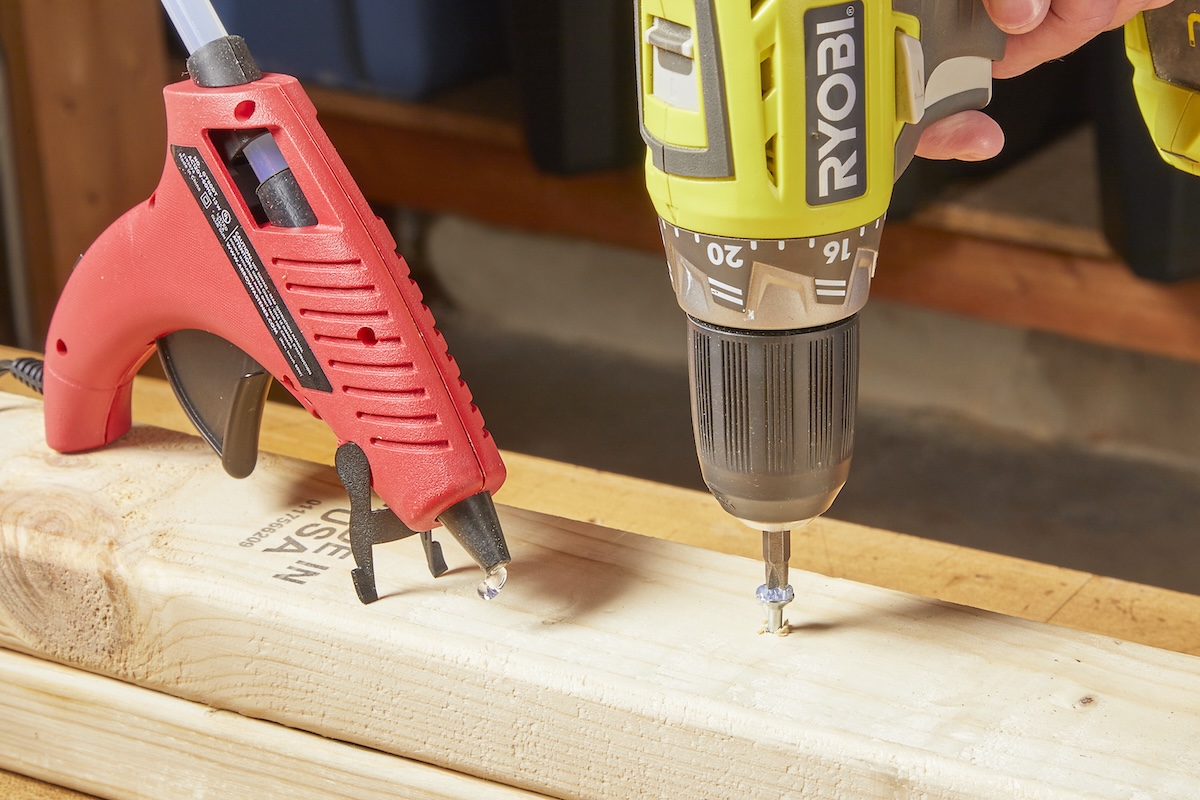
{"points": [[988, 581], [14, 786], [114, 739], [614, 664]]}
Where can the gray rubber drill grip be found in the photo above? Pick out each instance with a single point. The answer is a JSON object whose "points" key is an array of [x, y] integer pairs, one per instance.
{"points": [[773, 414], [949, 29]]}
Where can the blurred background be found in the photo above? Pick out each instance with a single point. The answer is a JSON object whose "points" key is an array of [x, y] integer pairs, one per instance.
{"points": [[1030, 353]]}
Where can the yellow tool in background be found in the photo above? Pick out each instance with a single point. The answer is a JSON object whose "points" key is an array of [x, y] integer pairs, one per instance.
{"points": [[1164, 46], [775, 130]]}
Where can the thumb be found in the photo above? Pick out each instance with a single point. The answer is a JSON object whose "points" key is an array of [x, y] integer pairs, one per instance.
{"points": [[1017, 16], [967, 136]]}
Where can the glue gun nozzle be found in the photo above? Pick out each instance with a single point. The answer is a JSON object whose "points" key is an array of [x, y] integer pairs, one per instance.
{"points": [[476, 525]]}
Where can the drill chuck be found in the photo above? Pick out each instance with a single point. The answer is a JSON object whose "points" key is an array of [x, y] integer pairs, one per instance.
{"points": [[773, 414]]}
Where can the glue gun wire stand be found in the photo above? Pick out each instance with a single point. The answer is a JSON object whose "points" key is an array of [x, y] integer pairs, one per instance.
{"points": [[258, 258]]}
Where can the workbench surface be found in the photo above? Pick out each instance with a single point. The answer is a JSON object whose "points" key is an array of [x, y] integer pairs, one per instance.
{"points": [[989, 581], [1014, 587]]}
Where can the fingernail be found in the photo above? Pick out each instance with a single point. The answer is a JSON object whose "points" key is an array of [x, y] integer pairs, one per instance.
{"points": [[1016, 14]]}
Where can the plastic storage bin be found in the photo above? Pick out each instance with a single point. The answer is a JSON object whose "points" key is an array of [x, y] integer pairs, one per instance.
{"points": [[411, 48], [313, 40], [404, 48]]}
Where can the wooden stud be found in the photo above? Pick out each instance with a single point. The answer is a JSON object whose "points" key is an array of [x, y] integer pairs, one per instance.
{"points": [[612, 666], [114, 739], [989, 581]]}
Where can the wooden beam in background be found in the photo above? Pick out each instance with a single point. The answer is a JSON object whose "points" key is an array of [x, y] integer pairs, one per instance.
{"points": [[90, 134], [484, 172], [494, 182], [612, 666], [1095, 300]]}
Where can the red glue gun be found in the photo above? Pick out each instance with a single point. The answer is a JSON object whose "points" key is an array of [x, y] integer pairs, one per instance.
{"points": [[258, 257]]}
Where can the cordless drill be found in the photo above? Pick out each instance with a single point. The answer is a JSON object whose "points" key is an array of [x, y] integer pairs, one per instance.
{"points": [[1164, 46], [775, 131]]}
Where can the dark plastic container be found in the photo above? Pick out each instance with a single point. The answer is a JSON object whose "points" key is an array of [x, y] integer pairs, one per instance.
{"points": [[411, 48], [404, 48], [574, 64], [1150, 209], [313, 40]]}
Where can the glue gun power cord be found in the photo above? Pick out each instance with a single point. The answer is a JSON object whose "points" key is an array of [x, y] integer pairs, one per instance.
{"points": [[27, 370]]}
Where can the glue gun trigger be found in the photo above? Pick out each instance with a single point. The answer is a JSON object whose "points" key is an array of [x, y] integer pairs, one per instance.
{"points": [[223, 391]]}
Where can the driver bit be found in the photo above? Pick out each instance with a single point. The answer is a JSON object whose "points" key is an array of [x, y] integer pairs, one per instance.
{"points": [[776, 592]]}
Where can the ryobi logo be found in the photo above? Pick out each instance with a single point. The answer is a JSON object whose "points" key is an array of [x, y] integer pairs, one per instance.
{"points": [[837, 132]]}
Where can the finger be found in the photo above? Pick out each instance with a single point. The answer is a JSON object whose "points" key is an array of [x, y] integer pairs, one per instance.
{"points": [[1067, 25], [1017, 16], [967, 136]]}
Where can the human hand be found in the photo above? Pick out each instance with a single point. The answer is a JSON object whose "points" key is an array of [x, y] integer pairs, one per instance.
{"points": [[1038, 31]]}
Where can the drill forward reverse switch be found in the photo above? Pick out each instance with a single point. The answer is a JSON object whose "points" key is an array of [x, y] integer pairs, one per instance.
{"points": [[775, 131]]}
